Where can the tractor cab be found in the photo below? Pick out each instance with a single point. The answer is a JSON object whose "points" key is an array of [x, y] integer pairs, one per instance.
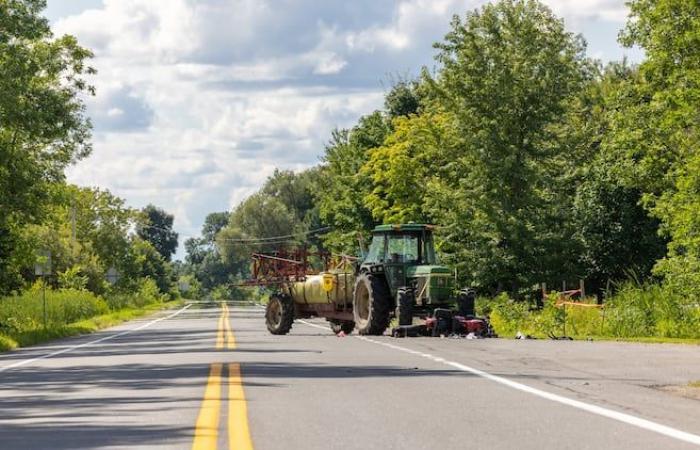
{"points": [[404, 255], [410, 244]]}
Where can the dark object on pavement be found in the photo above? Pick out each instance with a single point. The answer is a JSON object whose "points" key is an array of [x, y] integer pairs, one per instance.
{"points": [[560, 338], [409, 331]]}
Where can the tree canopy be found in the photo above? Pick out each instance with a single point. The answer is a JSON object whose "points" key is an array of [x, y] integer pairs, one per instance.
{"points": [[156, 227], [537, 163]]}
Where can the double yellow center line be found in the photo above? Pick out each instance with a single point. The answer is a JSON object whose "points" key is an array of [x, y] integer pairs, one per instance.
{"points": [[224, 336], [206, 434]]}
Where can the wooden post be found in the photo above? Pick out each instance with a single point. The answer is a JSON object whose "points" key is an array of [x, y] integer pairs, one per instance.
{"points": [[582, 287]]}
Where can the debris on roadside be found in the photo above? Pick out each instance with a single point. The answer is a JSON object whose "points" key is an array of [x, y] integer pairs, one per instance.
{"points": [[520, 335], [560, 338]]}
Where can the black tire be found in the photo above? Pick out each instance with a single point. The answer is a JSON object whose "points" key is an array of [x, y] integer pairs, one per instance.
{"points": [[371, 305], [346, 326], [279, 314], [465, 302], [404, 308]]}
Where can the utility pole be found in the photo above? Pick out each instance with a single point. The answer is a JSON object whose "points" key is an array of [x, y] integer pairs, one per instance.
{"points": [[72, 228], [72, 223]]}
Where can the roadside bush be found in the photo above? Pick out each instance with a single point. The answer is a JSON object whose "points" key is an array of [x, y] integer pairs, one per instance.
{"points": [[509, 316], [149, 293], [7, 343], [144, 292], [26, 312], [653, 311], [72, 278]]}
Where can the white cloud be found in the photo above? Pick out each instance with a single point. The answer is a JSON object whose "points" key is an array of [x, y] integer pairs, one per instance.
{"points": [[199, 100], [329, 63], [577, 11]]}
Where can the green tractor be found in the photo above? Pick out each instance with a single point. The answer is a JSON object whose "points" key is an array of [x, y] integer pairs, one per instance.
{"points": [[401, 276]]}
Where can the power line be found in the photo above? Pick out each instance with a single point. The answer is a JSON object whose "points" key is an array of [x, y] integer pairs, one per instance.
{"points": [[243, 244], [277, 238], [143, 225]]}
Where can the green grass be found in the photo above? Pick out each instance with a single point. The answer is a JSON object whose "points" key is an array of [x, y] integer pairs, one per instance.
{"points": [[648, 340], [11, 339], [7, 343], [647, 314], [694, 384]]}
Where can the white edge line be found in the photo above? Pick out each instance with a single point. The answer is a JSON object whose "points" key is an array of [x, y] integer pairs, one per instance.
{"points": [[96, 341], [599, 410]]}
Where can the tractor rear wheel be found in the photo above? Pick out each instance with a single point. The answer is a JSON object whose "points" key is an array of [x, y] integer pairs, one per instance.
{"points": [[370, 303], [279, 314], [346, 326], [404, 308]]}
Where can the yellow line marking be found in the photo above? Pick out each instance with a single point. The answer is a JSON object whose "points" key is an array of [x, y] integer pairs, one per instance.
{"points": [[207, 428], [220, 330], [230, 338], [238, 430]]}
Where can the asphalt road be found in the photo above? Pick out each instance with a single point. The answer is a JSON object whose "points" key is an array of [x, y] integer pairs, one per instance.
{"points": [[214, 378]]}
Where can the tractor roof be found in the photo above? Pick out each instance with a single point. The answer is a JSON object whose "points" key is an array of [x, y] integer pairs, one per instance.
{"points": [[403, 227]]}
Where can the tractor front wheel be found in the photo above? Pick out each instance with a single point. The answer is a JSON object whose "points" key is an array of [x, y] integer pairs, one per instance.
{"points": [[404, 308], [371, 307], [279, 314]]}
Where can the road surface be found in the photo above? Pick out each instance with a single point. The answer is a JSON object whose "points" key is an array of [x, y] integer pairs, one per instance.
{"points": [[213, 377]]}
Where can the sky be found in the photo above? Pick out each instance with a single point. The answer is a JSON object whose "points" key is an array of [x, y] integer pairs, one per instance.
{"points": [[198, 101]]}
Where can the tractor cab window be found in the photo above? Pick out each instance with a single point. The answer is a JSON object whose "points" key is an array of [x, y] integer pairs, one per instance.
{"points": [[429, 255], [403, 248], [375, 253]]}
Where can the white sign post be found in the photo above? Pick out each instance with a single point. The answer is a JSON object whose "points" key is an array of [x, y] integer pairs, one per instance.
{"points": [[42, 268], [112, 276]]}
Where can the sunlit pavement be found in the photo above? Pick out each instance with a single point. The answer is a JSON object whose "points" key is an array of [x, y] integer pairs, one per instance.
{"points": [[213, 377]]}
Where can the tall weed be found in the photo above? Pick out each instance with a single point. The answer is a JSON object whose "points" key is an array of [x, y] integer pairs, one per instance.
{"points": [[634, 311], [25, 312]]}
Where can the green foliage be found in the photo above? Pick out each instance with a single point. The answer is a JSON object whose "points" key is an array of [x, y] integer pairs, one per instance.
{"points": [[35, 333], [508, 73], [284, 207], [156, 227], [43, 127], [25, 312], [144, 261], [403, 170], [141, 293], [7, 343], [23, 315], [72, 279], [646, 311], [617, 235], [655, 134], [220, 293], [404, 99], [507, 316], [214, 223], [343, 186], [194, 288], [149, 292]]}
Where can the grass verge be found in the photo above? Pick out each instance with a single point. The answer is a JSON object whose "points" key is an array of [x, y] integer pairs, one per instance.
{"points": [[86, 326], [638, 340]]}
